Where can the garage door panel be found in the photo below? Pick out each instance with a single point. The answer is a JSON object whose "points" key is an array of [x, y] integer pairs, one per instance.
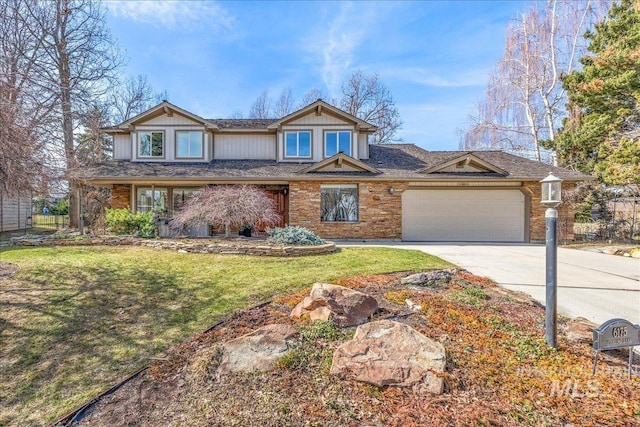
{"points": [[463, 215]]}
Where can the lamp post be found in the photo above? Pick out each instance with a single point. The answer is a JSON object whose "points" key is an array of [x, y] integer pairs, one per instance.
{"points": [[551, 198]]}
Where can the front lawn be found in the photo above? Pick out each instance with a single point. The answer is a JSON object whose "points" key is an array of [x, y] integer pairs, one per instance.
{"points": [[75, 320]]}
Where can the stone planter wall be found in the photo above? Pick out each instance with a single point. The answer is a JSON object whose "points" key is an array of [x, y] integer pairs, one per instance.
{"points": [[204, 246]]}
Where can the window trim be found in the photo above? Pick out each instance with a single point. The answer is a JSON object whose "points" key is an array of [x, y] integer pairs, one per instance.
{"points": [[297, 131], [161, 213], [173, 192], [357, 197], [139, 145], [337, 132], [175, 144]]}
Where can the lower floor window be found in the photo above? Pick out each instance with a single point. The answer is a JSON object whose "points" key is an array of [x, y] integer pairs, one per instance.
{"points": [[152, 199], [339, 202], [181, 196]]}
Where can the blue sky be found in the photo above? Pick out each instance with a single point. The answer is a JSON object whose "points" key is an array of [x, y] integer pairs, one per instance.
{"points": [[215, 58]]}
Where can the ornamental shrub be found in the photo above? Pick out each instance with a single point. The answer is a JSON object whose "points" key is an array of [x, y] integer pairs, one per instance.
{"points": [[123, 221], [293, 236], [227, 205]]}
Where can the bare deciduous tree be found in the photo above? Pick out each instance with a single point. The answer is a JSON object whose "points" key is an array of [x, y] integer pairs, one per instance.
{"points": [[284, 104], [367, 98], [125, 100], [261, 108], [265, 108], [78, 63], [524, 102], [312, 96], [24, 112], [363, 96], [228, 205], [132, 97]]}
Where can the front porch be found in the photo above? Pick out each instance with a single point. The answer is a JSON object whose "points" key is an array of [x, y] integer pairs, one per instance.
{"points": [[167, 200]]}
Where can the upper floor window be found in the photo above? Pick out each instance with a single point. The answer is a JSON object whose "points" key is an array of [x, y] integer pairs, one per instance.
{"points": [[297, 144], [337, 141], [189, 144], [151, 144]]}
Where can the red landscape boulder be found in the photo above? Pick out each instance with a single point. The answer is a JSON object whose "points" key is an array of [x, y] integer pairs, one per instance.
{"points": [[388, 353], [343, 306]]}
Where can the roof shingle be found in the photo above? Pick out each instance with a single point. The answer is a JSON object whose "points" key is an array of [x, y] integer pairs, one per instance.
{"points": [[395, 161]]}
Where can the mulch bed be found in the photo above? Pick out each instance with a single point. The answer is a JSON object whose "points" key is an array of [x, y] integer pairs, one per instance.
{"points": [[499, 371]]}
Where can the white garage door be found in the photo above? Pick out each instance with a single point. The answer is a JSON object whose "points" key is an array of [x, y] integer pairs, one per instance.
{"points": [[463, 215]]}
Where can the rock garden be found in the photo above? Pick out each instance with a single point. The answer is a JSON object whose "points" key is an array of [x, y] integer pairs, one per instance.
{"points": [[430, 349]]}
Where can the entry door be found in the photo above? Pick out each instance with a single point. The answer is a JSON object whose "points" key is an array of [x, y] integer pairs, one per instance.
{"points": [[281, 201]]}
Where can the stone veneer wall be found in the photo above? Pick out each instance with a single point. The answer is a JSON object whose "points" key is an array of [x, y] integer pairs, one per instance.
{"points": [[120, 196], [380, 212], [537, 226]]}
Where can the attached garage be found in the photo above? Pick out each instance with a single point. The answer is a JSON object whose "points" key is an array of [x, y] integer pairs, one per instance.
{"points": [[463, 215]]}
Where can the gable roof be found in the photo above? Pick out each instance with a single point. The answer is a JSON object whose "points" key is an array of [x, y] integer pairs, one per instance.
{"points": [[320, 106], [272, 124], [165, 107], [338, 160], [466, 159], [410, 161]]}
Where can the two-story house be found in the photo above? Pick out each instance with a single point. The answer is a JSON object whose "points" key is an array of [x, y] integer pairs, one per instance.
{"points": [[317, 165]]}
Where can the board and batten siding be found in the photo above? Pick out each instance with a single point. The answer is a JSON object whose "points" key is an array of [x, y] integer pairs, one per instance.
{"points": [[173, 120], [322, 119], [122, 147], [244, 147], [363, 146], [14, 213]]}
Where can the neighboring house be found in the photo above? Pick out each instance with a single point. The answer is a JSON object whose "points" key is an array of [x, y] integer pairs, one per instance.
{"points": [[15, 213], [318, 167]]}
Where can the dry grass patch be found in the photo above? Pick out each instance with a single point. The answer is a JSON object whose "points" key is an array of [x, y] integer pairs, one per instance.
{"points": [[75, 320]]}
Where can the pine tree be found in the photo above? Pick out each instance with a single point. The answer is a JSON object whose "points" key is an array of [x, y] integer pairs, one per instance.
{"points": [[601, 136]]}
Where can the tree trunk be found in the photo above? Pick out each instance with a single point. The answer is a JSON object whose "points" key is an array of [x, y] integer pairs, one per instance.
{"points": [[65, 98]]}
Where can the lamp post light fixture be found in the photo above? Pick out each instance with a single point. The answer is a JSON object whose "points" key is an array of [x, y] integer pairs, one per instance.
{"points": [[551, 198]]}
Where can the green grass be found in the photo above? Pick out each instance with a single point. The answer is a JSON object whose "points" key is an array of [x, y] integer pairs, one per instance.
{"points": [[471, 295], [75, 320]]}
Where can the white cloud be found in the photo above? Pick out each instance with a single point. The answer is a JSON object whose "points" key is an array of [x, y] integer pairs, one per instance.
{"points": [[337, 37], [341, 41], [170, 14]]}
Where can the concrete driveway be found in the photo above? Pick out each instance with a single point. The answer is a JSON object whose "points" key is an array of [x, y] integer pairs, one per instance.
{"points": [[592, 285]]}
